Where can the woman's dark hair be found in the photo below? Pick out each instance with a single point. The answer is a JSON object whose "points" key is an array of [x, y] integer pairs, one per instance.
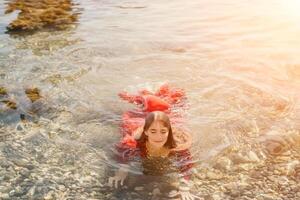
{"points": [[164, 119]]}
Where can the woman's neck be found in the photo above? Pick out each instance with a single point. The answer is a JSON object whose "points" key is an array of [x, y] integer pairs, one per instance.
{"points": [[154, 151]]}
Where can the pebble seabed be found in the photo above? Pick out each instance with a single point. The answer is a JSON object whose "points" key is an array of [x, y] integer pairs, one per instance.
{"points": [[35, 163]]}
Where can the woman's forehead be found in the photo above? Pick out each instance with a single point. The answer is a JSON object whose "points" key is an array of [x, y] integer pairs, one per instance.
{"points": [[157, 124]]}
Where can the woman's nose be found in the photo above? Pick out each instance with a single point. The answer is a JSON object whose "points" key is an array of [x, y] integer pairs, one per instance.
{"points": [[161, 136]]}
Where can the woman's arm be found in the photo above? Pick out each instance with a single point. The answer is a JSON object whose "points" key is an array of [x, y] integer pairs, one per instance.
{"points": [[184, 190], [184, 163], [138, 132], [181, 152], [122, 155], [185, 183], [124, 152]]}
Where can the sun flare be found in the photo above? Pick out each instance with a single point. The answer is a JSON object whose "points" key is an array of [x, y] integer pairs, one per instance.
{"points": [[291, 8]]}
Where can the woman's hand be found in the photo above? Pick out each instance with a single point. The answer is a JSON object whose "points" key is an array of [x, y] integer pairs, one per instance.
{"points": [[183, 140], [184, 190], [185, 195], [120, 176]]}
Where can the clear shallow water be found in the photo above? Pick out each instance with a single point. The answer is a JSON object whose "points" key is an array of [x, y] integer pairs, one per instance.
{"points": [[237, 61]]}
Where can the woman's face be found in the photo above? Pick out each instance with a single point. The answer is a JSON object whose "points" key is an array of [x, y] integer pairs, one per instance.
{"points": [[157, 134]]}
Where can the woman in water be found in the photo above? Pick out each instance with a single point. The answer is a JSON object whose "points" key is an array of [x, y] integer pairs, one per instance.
{"points": [[158, 145]]}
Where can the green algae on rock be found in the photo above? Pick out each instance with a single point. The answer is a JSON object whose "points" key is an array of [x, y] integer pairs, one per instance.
{"points": [[33, 94], [8, 103], [3, 91], [38, 14], [20, 104]]}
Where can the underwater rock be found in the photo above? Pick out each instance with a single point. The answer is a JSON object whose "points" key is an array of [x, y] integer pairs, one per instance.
{"points": [[236, 155], [55, 79], [223, 163], [9, 104], [292, 167], [38, 14], [6, 103], [49, 195], [253, 157], [4, 196], [266, 197], [277, 144], [244, 166], [3, 91], [236, 188], [19, 104], [31, 191], [214, 175], [33, 94], [139, 188]]}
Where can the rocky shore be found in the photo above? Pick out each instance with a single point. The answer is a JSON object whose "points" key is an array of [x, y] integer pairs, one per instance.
{"points": [[250, 173], [37, 163]]}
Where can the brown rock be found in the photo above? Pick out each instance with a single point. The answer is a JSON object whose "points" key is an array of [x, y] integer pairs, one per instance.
{"points": [[3, 91], [37, 14], [279, 144], [33, 94], [214, 176], [10, 104]]}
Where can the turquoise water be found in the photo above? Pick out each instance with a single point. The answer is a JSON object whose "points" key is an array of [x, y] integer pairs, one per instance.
{"points": [[238, 62]]}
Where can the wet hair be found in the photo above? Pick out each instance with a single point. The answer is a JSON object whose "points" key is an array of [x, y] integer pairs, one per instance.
{"points": [[162, 118]]}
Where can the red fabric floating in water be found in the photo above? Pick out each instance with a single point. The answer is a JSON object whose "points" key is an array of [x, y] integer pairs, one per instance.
{"points": [[128, 141], [165, 99], [154, 103]]}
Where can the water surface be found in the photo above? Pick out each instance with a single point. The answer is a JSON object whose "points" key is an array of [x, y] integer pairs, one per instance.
{"points": [[237, 61]]}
